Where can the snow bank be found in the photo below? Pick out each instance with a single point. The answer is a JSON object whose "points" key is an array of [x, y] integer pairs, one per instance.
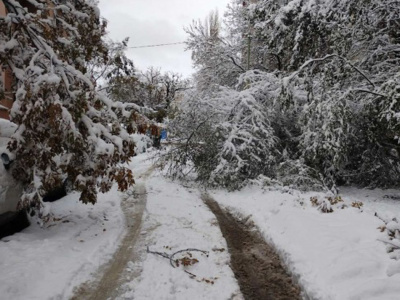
{"points": [[335, 256]]}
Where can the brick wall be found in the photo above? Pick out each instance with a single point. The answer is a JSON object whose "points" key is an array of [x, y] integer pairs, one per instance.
{"points": [[6, 80], [6, 74]]}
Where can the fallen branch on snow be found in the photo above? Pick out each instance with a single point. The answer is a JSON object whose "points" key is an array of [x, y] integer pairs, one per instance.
{"points": [[171, 257]]}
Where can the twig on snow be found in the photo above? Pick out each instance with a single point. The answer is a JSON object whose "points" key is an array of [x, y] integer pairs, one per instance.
{"points": [[190, 274], [170, 257]]}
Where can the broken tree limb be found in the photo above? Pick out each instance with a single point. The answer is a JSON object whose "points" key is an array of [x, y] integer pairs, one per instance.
{"points": [[170, 257]]}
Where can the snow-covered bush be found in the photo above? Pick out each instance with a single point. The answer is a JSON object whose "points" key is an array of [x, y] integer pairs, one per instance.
{"points": [[380, 156], [296, 174]]}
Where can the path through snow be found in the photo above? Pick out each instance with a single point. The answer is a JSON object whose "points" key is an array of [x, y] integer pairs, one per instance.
{"points": [[175, 219], [256, 265], [165, 217], [113, 275]]}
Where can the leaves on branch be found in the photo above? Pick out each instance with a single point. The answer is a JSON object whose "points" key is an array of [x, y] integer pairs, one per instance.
{"points": [[67, 129]]}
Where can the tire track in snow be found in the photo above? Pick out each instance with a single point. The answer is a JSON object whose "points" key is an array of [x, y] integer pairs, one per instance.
{"points": [[111, 277], [257, 267]]}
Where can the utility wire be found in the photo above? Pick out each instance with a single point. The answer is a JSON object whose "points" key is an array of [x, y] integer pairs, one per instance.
{"points": [[159, 45]]}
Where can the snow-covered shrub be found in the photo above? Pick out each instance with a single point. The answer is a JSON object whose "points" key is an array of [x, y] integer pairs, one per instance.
{"points": [[249, 147], [296, 174], [226, 134], [380, 160], [325, 118], [246, 151], [328, 204]]}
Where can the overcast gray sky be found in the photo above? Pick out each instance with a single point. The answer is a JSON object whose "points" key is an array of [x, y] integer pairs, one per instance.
{"points": [[149, 22]]}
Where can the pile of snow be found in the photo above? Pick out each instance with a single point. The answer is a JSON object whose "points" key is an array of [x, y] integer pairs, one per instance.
{"points": [[337, 255]]}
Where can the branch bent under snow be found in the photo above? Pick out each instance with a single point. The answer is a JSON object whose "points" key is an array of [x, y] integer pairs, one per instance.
{"points": [[287, 79]]}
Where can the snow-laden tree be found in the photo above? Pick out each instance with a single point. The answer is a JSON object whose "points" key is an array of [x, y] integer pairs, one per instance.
{"points": [[226, 136], [161, 88], [340, 54], [215, 54], [334, 113], [66, 129], [113, 67], [150, 92], [197, 143], [249, 145]]}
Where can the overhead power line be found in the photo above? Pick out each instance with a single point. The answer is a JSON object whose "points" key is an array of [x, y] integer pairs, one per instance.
{"points": [[159, 45]]}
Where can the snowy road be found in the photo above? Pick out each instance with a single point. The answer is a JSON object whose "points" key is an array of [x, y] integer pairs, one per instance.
{"points": [[99, 252], [256, 266], [176, 219], [165, 217]]}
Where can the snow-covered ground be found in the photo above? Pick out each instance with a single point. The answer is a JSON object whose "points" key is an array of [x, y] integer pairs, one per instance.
{"points": [[176, 219], [337, 255], [334, 256], [48, 262]]}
